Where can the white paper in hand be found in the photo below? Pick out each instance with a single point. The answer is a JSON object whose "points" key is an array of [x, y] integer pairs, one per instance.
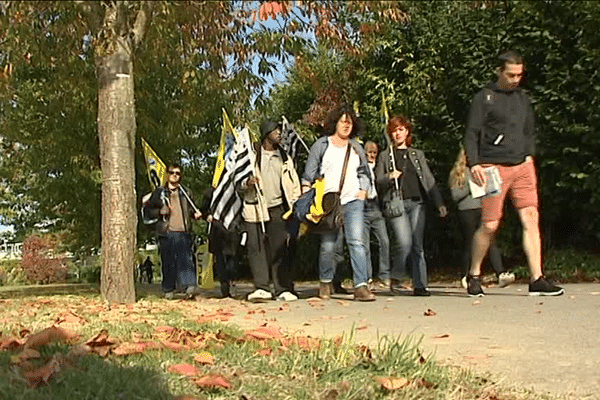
{"points": [[493, 183]]}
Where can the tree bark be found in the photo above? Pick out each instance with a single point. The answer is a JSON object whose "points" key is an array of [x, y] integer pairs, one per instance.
{"points": [[116, 130]]}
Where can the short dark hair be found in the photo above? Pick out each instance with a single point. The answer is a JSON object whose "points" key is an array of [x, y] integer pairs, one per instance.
{"points": [[358, 126], [510, 57], [175, 164]]}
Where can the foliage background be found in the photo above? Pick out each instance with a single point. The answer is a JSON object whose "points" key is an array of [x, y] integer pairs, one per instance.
{"points": [[429, 66]]}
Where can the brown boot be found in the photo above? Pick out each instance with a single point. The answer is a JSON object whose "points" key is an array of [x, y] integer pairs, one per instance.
{"points": [[362, 293], [325, 290]]}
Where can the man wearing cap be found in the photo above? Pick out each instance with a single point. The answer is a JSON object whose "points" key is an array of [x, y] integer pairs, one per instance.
{"points": [[269, 195]]}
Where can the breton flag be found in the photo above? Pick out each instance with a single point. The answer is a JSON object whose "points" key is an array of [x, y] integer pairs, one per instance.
{"points": [[290, 139], [228, 133], [157, 171], [226, 203]]}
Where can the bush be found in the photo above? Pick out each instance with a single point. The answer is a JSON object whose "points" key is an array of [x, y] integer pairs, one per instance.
{"points": [[38, 265]]}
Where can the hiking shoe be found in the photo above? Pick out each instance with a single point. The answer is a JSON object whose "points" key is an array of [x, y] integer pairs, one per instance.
{"points": [[287, 296], [325, 289], [505, 279], [474, 286], [225, 289], [169, 295], [421, 292], [362, 293], [259, 295], [543, 287]]}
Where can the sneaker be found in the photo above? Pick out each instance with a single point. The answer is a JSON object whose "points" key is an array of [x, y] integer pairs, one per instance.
{"points": [[362, 293], [463, 282], [259, 295], [287, 296], [543, 287], [505, 279], [474, 286], [421, 292], [169, 295]]}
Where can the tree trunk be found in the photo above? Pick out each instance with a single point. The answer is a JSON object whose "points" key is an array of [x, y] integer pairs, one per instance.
{"points": [[116, 130]]}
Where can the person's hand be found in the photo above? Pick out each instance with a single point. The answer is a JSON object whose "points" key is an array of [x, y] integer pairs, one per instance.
{"points": [[362, 194], [529, 159], [165, 210], [197, 215], [253, 180], [395, 174], [210, 219], [478, 175], [443, 211], [305, 188]]}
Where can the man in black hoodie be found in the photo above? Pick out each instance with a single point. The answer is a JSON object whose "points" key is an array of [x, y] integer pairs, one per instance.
{"points": [[500, 133]]}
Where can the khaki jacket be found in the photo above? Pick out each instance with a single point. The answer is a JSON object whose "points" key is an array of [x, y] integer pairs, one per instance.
{"points": [[255, 208]]}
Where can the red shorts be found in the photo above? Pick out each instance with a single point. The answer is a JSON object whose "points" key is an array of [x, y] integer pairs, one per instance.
{"points": [[520, 181]]}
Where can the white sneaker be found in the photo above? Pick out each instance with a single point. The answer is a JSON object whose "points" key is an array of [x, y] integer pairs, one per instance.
{"points": [[259, 295], [287, 296], [505, 279], [464, 283]]}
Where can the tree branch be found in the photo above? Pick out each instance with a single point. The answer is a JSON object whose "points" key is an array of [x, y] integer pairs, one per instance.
{"points": [[142, 21], [93, 13]]}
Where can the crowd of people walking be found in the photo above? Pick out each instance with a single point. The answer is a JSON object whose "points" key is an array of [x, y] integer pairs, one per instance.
{"points": [[383, 193]]}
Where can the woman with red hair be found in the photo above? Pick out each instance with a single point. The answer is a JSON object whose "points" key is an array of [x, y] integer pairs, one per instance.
{"points": [[404, 182]]}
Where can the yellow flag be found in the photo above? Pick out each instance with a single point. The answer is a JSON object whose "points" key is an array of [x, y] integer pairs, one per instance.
{"points": [[227, 129], [204, 267], [157, 171], [384, 116]]}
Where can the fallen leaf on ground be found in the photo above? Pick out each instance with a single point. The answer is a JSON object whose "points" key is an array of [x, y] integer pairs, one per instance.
{"points": [[49, 335], [429, 313], [42, 375], [390, 383], [264, 333], [70, 317], [362, 327], [26, 354], [128, 348], [173, 346], [7, 343], [209, 381], [445, 335], [184, 369], [264, 352], [343, 303], [476, 302], [204, 357]]}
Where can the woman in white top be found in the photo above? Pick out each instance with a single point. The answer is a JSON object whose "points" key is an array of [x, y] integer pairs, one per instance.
{"points": [[326, 159]]}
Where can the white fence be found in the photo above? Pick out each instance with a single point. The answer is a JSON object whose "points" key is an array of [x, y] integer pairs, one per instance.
{"points": [[11, 251]]}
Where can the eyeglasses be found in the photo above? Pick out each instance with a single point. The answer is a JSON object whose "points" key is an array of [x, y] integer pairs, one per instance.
{"points": [[178, 173]]}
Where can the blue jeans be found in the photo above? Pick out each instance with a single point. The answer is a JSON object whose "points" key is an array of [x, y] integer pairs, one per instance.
{"points": [[353, 230], [408, 230], [375, 223], [178, 269]]}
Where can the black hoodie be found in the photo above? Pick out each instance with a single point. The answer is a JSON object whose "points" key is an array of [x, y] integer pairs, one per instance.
{"points": [[500, 128]]}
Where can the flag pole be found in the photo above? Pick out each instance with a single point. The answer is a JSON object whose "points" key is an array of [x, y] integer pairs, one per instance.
{"points": [[387, 138]]}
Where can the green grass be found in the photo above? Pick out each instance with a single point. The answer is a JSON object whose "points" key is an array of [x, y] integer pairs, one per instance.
{"points": [[336, 369]]}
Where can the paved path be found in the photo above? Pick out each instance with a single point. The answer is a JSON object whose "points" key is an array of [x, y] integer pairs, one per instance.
{"points": [[548, 344]]}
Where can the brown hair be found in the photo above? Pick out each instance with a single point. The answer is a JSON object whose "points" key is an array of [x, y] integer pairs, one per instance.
{"points": [[396, 122]]}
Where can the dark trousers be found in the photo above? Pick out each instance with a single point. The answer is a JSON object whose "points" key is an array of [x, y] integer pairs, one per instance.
{"points": [[268, 253], [225, 266], [178, 269], [469, 222]]}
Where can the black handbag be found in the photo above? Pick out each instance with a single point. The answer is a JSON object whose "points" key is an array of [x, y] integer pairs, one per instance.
{"points": [[392, 201], [333, 212]]}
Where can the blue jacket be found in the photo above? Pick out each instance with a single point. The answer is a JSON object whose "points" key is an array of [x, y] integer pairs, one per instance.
{"points": [[312, 169]]}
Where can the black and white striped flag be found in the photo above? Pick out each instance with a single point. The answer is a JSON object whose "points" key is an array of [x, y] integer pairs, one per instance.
{"points": [[226, 202], [289, 138]]}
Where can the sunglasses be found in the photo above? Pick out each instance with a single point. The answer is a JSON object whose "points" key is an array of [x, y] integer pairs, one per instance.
{"points": [[178, 173]]}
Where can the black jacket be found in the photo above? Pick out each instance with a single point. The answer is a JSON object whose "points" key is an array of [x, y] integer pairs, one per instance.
{"points": [[500, 129], [157, 200]]}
